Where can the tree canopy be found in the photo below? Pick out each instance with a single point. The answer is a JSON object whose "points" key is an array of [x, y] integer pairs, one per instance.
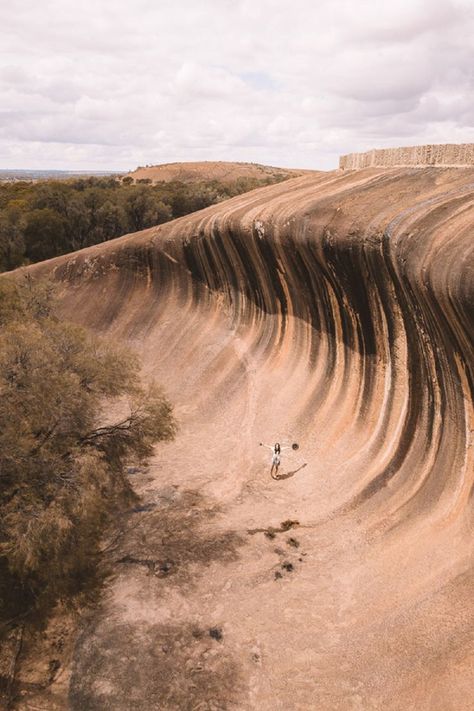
{"points": [[44, 219], [73, 416]]}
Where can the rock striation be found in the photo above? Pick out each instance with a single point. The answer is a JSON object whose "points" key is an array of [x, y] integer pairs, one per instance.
{"points": [[335, 310], [448, 154]]}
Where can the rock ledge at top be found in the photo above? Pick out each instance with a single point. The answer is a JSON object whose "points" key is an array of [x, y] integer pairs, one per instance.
{"points": [[445, 154]]}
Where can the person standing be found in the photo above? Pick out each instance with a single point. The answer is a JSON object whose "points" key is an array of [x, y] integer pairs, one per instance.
{"points": [[276, 451]]}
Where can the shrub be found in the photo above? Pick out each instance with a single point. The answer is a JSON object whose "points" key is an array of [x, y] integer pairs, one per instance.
{"points": [[73, 416]]}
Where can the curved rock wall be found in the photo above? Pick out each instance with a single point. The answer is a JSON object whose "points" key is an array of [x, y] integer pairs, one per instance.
{"points": [[448, 154], [336, 311], [373, 273]]}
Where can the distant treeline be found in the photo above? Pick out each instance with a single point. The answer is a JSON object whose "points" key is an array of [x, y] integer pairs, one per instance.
{"points": [[40, 220]]}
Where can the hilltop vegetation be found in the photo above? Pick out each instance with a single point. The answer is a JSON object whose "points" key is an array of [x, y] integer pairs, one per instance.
{"points": [[223, 172], [41, 220]]}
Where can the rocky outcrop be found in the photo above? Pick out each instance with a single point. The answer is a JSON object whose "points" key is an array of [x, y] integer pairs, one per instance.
{"points": [[447, 154], [336, 311]]}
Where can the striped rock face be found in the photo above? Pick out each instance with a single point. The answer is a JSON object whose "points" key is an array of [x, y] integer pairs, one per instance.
{"points": [[336, 311], [442, 154]]}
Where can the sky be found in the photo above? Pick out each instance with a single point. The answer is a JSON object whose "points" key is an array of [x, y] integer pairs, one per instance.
{"points": [[113, 84]]}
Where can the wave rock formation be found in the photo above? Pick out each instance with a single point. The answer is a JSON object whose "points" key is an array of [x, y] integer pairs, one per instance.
{"points": [[335, 310]]}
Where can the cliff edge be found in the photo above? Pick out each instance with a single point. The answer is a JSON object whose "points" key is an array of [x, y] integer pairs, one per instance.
{"points": [[446, 155]]}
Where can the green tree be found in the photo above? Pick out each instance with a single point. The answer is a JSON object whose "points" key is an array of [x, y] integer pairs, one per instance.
{"points": [[73, 416], [52, 194], [145, 208], [12, 244], [111, 221], [44, 234], [77, 223]]}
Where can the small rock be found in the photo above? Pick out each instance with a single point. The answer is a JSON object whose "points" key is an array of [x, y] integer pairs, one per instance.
{"points": [[289, 523], [216, 633], [144, 508], [133, 470], [165, 567]]}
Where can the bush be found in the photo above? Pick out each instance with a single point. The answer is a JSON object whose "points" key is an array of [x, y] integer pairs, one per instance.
{"points": [[73, 416], [44, 234]]}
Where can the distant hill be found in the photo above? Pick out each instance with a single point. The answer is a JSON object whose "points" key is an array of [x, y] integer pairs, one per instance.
{"points": [[222, 171]]}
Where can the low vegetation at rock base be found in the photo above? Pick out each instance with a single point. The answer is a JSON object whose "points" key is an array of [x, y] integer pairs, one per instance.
{"points": [[44, 219], [73, 416]]}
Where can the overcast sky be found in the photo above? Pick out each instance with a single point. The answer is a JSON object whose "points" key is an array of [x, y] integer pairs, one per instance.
{"points": [[112, 84]]}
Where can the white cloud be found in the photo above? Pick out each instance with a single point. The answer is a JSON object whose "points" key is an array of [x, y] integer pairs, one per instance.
{"points": [[111, 84]]}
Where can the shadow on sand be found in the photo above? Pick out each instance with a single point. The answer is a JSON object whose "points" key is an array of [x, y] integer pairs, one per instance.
{"points": [[288, 475]]}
